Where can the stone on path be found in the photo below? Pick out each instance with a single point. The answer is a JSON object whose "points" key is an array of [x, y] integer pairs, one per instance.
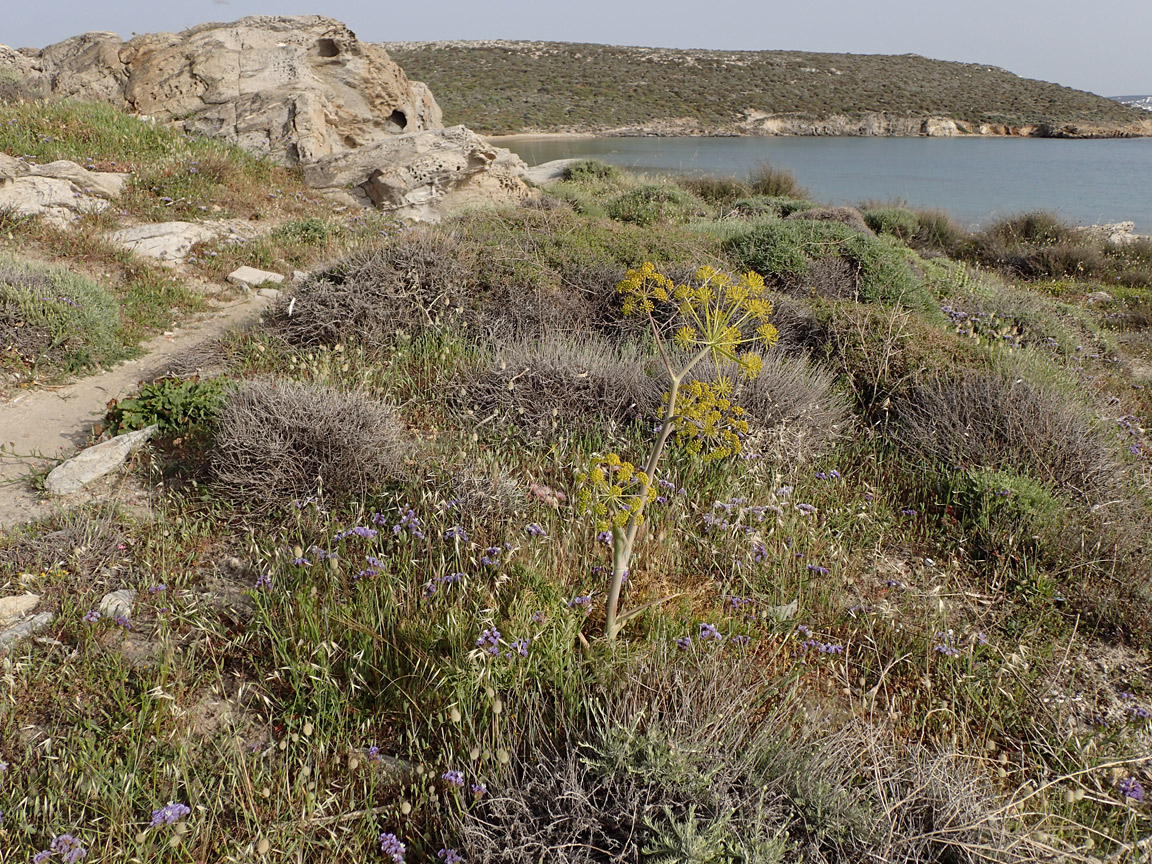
{"points": [[95, 462], [250, 277]]}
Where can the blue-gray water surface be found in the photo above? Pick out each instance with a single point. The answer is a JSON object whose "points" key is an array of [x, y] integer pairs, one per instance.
{"points": [[975, 179]]}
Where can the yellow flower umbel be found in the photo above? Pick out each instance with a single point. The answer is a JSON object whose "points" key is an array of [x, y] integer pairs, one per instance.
{"points": [[718, 317]]}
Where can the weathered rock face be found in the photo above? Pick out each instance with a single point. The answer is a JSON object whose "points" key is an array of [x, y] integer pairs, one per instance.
{"points": [[420, 175], [296, 88]]}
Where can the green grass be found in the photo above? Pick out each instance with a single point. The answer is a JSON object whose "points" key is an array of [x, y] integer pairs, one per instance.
{"points": [[546, 86], [303, 674]]}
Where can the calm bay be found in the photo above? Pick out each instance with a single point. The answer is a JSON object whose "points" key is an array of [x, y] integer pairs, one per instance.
{"points": [[975, 179]]}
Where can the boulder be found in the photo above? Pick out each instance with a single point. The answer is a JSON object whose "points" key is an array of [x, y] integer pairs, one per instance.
{"points": [[422, 175], [546, 172], [294, 88], [95, 462], [118, 603]]}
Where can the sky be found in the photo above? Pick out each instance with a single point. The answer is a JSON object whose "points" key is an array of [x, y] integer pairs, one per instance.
{"points": [[1065, 41]]}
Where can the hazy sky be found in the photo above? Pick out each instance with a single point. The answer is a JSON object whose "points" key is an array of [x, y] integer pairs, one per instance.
{"points": [[1106, 50]]}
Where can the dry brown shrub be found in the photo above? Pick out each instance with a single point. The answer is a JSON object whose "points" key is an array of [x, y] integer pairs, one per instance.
{"points": [[561, 385], [849, 216], [281, 441], [984, 419], [794, 408], [416, 280]]}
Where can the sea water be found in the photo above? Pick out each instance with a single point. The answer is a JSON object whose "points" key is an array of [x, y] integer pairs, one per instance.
{"points": [[975, 179]]}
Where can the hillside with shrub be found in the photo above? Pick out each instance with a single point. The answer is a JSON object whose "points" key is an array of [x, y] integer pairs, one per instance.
{"points": [[679, 520], [515, 87]]}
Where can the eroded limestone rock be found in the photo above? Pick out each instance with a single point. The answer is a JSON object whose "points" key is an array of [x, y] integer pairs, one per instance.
{"points": [[296, 88], [59, 191]]}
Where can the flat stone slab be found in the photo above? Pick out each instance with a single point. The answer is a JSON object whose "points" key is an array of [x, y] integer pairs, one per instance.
{"points": [[95, 462], [15, 607], [165, 241], [250, 277], [24, 629]]}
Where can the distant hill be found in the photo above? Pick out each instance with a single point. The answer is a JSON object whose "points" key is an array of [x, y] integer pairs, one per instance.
{"points": [[507, 87]]}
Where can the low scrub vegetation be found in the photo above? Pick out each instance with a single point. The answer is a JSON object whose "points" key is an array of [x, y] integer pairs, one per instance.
{"points": [[873, 507]]}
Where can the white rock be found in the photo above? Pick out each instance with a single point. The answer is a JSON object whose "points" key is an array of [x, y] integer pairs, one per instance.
{"points": [[250, 277], [165, 241], [15, 607], [547, 171], [95, 462], [116, 603], [270, 293], [24, 629]]}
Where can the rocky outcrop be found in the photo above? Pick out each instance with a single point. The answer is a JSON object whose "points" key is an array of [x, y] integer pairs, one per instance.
{"points": [[302, 90], [296, 88], [421, 175], [59, 191]]}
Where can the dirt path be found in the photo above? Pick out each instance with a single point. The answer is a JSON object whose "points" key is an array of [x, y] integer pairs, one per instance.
{"points": [[55, 422]]}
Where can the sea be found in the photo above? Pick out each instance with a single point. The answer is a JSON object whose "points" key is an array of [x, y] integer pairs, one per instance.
{"points": [[977, 180]]}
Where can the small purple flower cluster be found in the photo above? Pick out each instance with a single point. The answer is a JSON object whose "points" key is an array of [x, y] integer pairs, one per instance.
{"points": [[361, 531], [489, 641], [169, 814], [374, 754], [391, 846], [535, 530], [408, 522], [708, 631], [950, 645], [122, 621], [456, 533], [264, 582], [583, 601], [491, 557], [806, 509], [818, 570], [827, 475], [908, 511], [446, 579], [811, 644], [91, 616], [479, 790], [1130, 787], [66, 846], [453, 778], [450, 856]]}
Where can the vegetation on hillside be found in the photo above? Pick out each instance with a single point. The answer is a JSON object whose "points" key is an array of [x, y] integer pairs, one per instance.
{"points": [[904, 616], [507, 87]]}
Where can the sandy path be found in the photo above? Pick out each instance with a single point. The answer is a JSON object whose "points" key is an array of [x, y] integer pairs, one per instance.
{"points": [[55, 422]]}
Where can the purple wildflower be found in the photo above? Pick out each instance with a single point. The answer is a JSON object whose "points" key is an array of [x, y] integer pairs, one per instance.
{"points": [[264, 583], [806, 509], [707, 631], [453, 778], [818, 570], [684, 643], [479, 790], [604, 537], [391, 846], [374, 754], [535, 530], [908, 512], [583, 601], [169, 814], [489, 640], [1130, 788], [450, 856], [122, 621], [520, 646], [91, 616], [539, 616], [456, 533], [158, 589], [68, 848]]}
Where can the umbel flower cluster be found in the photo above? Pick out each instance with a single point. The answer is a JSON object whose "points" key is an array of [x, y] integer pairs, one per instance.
{"points": [[714, 317]]}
